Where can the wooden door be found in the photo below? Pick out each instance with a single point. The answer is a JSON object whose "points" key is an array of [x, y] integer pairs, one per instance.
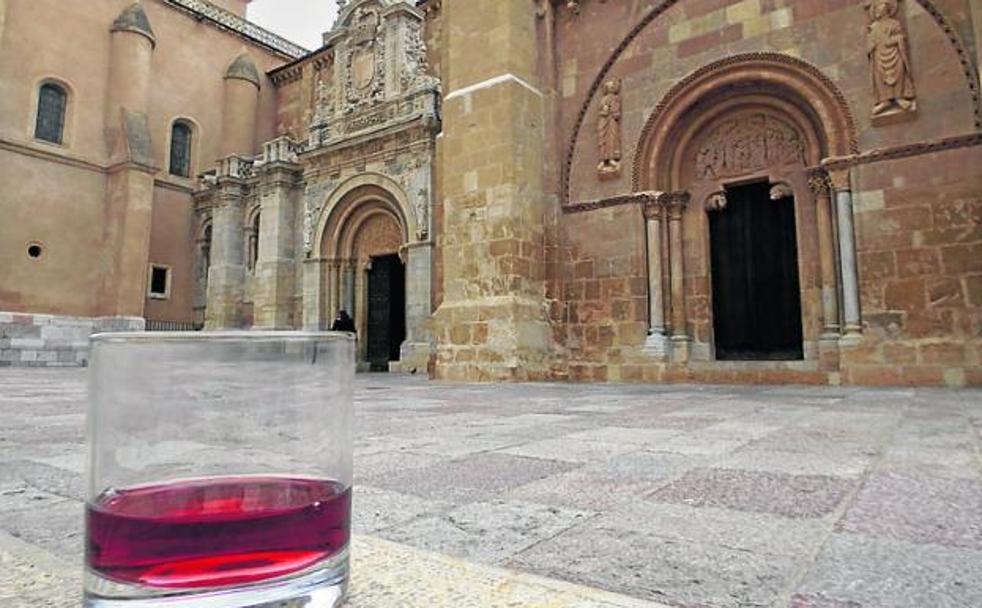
{"points": [[756, 291]]}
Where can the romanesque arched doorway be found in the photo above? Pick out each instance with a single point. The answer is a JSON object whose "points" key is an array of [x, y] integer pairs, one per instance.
{"points": [[741, 232]]}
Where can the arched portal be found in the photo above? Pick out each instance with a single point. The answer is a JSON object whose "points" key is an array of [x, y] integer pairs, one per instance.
{"points": [[742, 232], [363, 242]]}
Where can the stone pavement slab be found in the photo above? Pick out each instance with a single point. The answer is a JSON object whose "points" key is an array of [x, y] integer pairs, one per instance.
{"points": [[690, 496]]}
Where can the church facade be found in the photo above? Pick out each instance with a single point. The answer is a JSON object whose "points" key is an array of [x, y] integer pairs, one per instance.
{"points": [[593, 190]]}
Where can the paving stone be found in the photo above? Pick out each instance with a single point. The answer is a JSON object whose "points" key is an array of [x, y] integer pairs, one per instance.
{"points": [[479, 477], [650, 567], [55, 528], [862, 572], [695, 445], [644, 466], [918, 509], [760, 496], [760, 533], [647, 438], [796, 463], [487, 532], [794, 496], [932, 461], [583, 490], [375, 509], [19, 495], [570, 449], [47, 478]]}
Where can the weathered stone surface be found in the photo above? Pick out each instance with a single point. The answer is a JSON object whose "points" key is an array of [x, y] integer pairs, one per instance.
{"points": [[746, 527]]}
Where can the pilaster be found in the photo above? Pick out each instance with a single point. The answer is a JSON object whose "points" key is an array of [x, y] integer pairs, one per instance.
{"points": [[493, 323], [226, 276], [280, 187]]}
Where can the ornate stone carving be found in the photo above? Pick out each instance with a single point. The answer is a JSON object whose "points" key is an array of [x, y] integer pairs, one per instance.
{"points": [[781, 191], [415, 66], [609, 141], [365, 65], [818, 182], [716, 201], [889, 56], [746, 144], [676, 202], [421, 208]]}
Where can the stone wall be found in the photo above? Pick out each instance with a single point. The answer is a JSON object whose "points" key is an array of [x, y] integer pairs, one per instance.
{"points": [[28, 340], [917, 201]]}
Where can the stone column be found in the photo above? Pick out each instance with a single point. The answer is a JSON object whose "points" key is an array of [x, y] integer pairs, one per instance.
{"points": [[226, 276], [818, 180], [676, 203], [654, 214], [279, 184], [416, 349], [847, 253], [493, 323], [333, 288], [348, 284], [313, 295], [128, 204]]}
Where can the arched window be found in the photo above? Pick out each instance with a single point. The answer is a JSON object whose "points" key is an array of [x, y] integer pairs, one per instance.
{"points": [[180, 149], [52, 104], [254, 241]]}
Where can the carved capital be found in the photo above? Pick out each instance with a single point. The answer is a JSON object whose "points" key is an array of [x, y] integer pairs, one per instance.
{"points": [[652, 205], [818, 182], [676, 202]]}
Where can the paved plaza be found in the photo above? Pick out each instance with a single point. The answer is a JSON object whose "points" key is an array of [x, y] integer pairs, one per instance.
{"points": [[684, 496]]}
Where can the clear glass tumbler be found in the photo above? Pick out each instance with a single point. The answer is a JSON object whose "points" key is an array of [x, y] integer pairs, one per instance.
{"points": [[219, 469]]}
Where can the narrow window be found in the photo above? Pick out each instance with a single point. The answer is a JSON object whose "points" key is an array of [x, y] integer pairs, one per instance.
{"points": [[52, 102], [180, 149], [159, 282]]}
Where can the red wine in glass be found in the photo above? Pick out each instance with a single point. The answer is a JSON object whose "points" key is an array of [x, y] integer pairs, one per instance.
{"points": [[216, 532]]}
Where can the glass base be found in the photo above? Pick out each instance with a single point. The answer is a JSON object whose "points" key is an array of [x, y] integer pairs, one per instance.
{"points": [[323, 586]]}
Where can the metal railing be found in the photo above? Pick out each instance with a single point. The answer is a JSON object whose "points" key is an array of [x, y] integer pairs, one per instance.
{"points": [[173, 326]]}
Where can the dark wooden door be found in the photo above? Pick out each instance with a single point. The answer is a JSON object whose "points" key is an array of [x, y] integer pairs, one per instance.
{"points": [[386, 311], [756, 292]]}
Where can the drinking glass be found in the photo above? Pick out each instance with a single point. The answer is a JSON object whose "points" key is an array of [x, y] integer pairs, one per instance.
{"points": [[219, 471]]}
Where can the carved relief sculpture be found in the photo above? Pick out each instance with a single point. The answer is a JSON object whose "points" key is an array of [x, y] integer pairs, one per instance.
{"points": [[609, 129], [716, 201], [747, 144], [886, 47]]}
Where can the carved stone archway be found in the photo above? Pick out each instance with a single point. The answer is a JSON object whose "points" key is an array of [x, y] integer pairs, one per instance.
{"points": [[366, 217], [747, 118]]}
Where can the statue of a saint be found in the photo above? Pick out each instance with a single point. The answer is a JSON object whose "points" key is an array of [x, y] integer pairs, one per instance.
{"points": [[893, 83], [609, 128]]}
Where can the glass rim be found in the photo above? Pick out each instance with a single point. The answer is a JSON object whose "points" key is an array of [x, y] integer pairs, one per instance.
{"points": [[223, 336]]}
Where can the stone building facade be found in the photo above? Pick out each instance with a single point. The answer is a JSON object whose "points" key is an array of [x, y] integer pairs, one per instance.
{"points": [[593, 190]]}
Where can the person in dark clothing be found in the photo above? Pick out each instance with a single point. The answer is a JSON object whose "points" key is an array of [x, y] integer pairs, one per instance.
{"points": [[343, 322]]}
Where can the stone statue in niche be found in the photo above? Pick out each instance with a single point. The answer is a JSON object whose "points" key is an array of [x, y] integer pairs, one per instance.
{"points": [[609, 129], [886, 46]]}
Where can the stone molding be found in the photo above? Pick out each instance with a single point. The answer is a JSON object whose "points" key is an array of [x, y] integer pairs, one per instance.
{"points": [[819, 173], [904, 151], [810, 85], [954, 39]]}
